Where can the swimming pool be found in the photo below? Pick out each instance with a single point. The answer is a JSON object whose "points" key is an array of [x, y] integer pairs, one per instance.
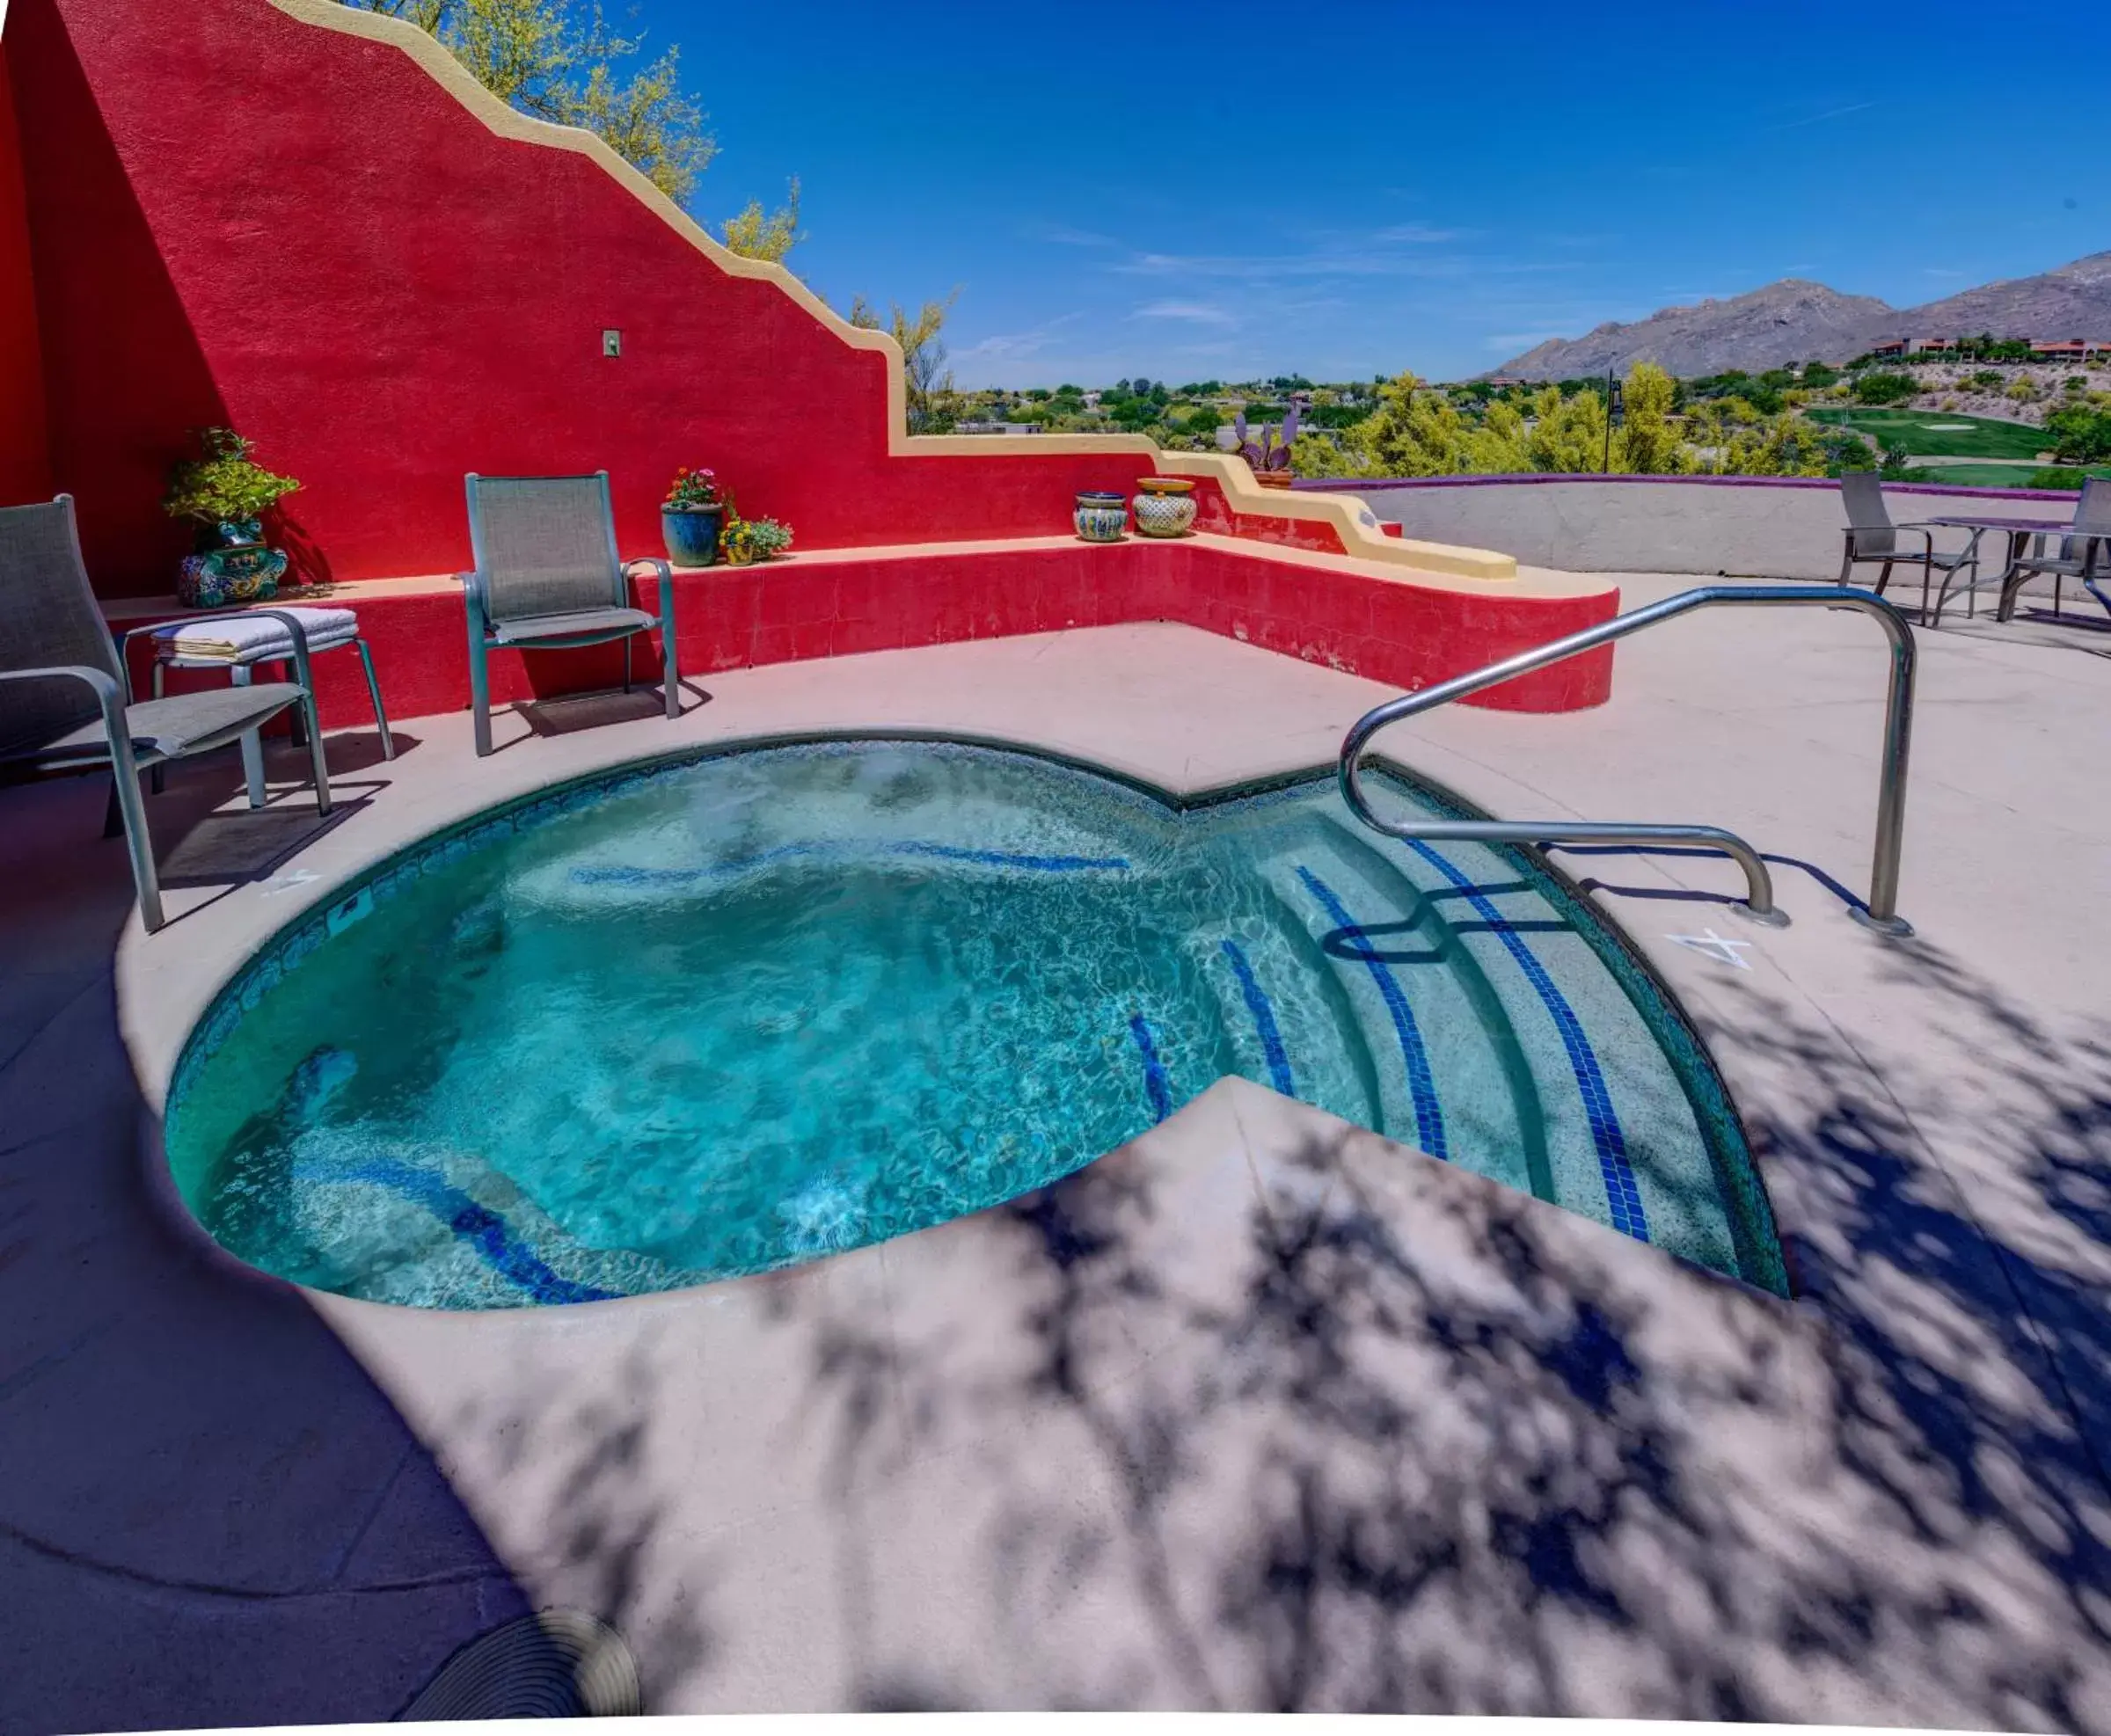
{"points": [[727, 1013]]}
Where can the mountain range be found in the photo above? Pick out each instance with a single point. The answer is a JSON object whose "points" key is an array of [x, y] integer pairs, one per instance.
{"points": [[1796, 321]]}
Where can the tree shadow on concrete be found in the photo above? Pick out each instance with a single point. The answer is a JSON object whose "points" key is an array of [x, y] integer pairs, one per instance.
{"points": [[1408, 1441]]}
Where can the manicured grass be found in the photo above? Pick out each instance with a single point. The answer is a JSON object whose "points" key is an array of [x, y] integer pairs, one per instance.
{"points": [[1949, 437], [1981, 476]]}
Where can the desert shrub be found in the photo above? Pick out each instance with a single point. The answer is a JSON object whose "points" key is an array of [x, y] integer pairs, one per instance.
{"points": [[1884, 388]]}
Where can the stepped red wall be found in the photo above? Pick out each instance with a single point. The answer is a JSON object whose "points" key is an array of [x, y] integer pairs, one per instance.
{"points": [[236, 217], [239, 216], [24, 456]]}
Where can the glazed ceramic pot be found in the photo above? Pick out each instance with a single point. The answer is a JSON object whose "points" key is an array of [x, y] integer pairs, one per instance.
{"points": [[1164, 505], [231, 566], [692, 534], [1100, 516], [1273, 479]]}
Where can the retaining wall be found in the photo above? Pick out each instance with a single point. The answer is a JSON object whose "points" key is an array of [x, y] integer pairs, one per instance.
{"points": [[1784, 527]]}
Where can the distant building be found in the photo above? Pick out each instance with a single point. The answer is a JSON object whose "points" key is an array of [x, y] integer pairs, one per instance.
{"points": [[1931, 345], [2069, 349], [1894, 347]]}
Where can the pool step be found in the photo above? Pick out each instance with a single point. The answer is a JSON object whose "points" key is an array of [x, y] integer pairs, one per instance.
{"points": [[1501, 1038]]}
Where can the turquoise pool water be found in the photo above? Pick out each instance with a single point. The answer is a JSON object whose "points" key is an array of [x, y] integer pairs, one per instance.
{"points": [[730, 1014]]}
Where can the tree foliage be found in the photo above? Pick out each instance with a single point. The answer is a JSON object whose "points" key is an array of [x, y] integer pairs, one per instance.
{"points": [[759, 235], [2078, 435], [1648, 443], [924, 374], [544, 59], [1881, 387]]}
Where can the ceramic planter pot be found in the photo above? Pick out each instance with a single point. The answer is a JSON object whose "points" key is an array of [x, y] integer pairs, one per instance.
{"points": [[692, 534], [1100, 516], [231, 566], [1273, 479], [1164, 505]]}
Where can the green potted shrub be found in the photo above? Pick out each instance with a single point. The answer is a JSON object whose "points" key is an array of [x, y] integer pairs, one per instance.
{"points": [[693, 518], [226, 493]]}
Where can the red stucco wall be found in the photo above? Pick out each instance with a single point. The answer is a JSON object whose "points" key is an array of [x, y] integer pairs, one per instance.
{"points": [[238, 214], [24, 458], [1409, 636]]}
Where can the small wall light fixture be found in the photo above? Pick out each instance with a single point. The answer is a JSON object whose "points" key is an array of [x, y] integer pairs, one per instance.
{"points": [[611, 343]]}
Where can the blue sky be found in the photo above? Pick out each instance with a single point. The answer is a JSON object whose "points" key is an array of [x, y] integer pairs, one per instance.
{"points": [[1346, 187]]}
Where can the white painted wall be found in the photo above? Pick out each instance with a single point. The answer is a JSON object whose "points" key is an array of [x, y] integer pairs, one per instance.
{"points": [[1706, 525]]}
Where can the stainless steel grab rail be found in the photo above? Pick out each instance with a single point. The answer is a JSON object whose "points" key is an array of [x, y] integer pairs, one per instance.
{"points": [[1881, 913]]}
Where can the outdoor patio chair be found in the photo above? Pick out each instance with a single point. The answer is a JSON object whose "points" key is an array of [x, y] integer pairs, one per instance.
{"points": [[66, 703], [1871, 537], [548, 578], [2083, 556]]}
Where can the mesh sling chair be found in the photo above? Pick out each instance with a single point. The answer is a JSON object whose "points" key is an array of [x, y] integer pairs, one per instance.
{"points": [[1872, 537], [65, 703], [548, 578], [2083, 554]]}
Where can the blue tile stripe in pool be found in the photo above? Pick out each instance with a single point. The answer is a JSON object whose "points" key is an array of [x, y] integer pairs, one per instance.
{"points": [[1421, 1084], [1155, 1080], [1621, 1193], [1264, 1020], [617, 874], [483, 1228]]}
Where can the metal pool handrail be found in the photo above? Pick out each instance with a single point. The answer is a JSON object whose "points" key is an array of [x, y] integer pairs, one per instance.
{"points": [[1881, 913]]}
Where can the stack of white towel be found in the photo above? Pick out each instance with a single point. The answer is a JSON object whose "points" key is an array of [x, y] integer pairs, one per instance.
{"points": [[253, 639]]}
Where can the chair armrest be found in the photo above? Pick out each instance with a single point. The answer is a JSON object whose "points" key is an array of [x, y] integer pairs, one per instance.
{"points": [[108, 694], [667, 586]]}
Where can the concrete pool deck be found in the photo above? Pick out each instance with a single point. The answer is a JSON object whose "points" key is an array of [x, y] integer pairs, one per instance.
{"points": [[1259, 1412]]}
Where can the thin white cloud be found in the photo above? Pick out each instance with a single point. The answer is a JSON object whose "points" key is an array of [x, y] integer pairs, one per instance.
{"points": [[1201, 313], [1829, 115], [1014, 345], [1064, 236], [1418, 234], [1366, 261]]}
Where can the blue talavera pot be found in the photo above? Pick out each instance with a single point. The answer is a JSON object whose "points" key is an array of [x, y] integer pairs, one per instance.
{"points": [[231, 566], [692, 534], [1100, 516]]}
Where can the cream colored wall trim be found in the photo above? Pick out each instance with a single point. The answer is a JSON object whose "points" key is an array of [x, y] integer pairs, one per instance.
{"points": [[1353, 522]]}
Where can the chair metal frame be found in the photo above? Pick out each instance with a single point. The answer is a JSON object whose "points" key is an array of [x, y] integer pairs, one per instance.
{"points": [[113, 694], [1882, 545], [476, 585]]}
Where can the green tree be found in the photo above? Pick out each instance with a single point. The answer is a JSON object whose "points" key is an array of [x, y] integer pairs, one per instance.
{"points": [[538, 56], [2078, 435], [924, 371], [1567, 433], [1780, 445], [1649, 445], [1416, 433], [1879, 388], [759, 235]]}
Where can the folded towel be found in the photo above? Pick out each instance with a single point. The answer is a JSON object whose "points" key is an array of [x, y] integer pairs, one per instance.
{"points": [[253, 639]]}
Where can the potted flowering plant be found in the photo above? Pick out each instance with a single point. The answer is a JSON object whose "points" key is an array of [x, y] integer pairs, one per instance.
{"points": [[753, 539], [226, 493], [692, 517]]}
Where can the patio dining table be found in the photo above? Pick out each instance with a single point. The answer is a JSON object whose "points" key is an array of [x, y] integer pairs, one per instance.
{"points": [[2021, 531]]}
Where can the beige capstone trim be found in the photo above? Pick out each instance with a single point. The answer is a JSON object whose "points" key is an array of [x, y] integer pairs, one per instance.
{"points": [[1345, 514]]}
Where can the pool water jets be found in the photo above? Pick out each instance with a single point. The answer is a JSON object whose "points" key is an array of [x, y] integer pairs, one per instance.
{"points": [[721, 1015]]}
